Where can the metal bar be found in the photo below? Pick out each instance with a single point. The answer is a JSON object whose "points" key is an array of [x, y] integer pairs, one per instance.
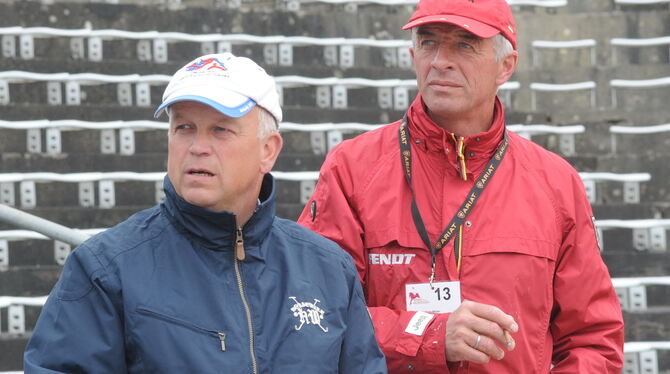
{"points": [[24, 220]]}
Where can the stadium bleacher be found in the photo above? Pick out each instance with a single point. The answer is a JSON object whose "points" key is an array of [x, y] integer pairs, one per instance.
{"points": [[79, 80]]}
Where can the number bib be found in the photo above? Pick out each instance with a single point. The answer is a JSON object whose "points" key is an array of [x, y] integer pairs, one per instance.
{"points": [[442, 297]]}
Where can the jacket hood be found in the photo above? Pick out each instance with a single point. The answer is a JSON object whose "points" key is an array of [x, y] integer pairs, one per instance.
{"points": [[216, 229]]}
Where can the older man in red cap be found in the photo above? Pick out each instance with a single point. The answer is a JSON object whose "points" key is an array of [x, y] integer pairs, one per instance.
{"points": [[476, 248]]}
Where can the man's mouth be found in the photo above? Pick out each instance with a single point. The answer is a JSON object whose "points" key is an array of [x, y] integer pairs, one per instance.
{"points": [[442, 83], [200, 172]]}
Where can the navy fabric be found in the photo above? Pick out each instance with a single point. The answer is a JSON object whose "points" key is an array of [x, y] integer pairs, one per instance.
{"points": [[153, 294]]}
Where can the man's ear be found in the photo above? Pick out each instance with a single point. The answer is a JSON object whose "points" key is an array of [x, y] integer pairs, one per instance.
{"points": [[507, 67], [270, 148]]}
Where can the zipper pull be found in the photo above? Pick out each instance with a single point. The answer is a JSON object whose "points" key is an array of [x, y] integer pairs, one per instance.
{"points": [[222, 337], [239, 245]]}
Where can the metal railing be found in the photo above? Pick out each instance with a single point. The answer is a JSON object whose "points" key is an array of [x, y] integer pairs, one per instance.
{"points": [[24, 220]]}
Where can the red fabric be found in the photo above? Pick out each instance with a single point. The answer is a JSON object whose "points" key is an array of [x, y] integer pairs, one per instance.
{"points": [[484, 18], [531, 249]]}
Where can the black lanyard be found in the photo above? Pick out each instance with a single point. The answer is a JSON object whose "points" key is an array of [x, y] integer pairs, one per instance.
{"points": [[465, 209]]}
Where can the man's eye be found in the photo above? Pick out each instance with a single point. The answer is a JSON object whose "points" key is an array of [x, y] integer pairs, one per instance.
{"points": [[220, 129], [182, 127], [465, 45], [427, 43]]}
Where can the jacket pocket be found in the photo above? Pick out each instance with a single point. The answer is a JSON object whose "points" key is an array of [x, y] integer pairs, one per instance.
{"points": [[522, 263], [218, 335], [507, 244], [162, 343], [393, 259], [517, 276]]}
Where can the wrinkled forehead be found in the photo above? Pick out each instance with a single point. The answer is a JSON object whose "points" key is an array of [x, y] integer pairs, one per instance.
{"points": [[187, 110], [180, 109], [440, 29]]}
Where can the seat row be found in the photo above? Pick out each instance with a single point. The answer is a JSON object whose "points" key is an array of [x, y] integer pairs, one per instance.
{"points": [[631, 292], [649, 235], [352, 5], [278, 50], [323, 136], [331, 92], [641, 357], [105, 181]]}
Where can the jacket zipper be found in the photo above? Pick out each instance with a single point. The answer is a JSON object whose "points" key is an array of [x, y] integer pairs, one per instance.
{"points": [[216, 334], [222, 338], [239, 248]]}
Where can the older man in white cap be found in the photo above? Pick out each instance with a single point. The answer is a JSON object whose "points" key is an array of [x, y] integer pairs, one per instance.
{"points": [[210, 281]]}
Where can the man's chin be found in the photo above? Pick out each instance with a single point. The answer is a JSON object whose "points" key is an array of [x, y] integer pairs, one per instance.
{"points": [[203, 199]]}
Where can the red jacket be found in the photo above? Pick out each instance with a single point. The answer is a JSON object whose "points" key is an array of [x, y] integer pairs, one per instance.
{"points": [[531, 248]]}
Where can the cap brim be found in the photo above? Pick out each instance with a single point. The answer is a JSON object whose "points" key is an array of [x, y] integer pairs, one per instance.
{"points": [[229, 111], [478, 28]]}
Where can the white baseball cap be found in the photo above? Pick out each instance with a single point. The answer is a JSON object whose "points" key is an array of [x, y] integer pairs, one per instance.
{"points": [[232, 85]]}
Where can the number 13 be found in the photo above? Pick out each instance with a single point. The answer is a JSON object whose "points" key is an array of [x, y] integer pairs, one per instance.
{"points": [[442, 293]]}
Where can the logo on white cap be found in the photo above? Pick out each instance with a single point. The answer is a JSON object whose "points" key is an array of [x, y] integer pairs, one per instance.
{"points": [[232, 85], [206, 64]]}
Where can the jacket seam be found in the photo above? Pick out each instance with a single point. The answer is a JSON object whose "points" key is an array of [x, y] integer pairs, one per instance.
{"points": [[104, 267], [113, 258], [522, 161], [330, 251], [377, 169], [557, 219], [538, 240], [382, 160]]}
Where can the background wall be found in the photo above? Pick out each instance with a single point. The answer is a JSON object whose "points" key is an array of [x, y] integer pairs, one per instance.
{"points": [[31, 267]]}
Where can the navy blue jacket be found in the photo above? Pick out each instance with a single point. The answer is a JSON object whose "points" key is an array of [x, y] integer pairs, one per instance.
{"points": [[161, 293]]}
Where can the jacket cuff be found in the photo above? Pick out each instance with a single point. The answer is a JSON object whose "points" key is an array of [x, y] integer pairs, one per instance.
{"points": [[433, 350], [428, 347]]}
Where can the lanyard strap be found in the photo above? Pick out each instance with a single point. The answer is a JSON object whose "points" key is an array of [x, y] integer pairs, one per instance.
{"points": [[457, 221]]}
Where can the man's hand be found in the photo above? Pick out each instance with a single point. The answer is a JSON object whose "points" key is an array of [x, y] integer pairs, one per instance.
{"points": [[474, 331]]}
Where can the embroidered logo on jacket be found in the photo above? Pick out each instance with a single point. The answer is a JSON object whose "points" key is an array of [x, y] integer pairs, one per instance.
{"points": [[391, 258], [309, 313]]}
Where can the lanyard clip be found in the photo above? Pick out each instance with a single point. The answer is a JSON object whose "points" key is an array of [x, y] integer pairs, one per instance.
{"points": [[432, 274]]}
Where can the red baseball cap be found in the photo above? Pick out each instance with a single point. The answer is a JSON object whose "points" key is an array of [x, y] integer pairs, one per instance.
{"points": [[484, 18]]}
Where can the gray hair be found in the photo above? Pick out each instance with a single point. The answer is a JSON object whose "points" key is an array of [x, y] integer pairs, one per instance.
{"points": [[503, 47], [501, 44], [267, 124]]}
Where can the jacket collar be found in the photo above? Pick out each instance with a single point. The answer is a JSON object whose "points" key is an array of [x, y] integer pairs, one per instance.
{"points": [[216, 230], [479, 148]]}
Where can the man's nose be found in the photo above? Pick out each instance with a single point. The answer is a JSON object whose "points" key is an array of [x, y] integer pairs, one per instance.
{"points": [[443, 58], [200, 144]]}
